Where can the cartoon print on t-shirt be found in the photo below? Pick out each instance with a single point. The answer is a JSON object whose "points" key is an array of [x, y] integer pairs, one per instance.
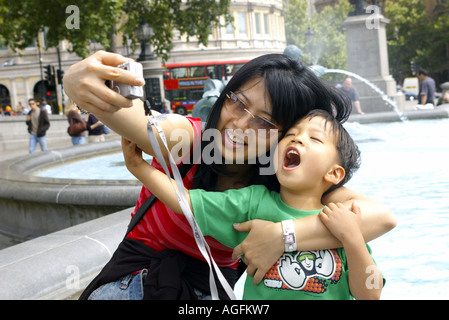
{"points": [[305, 270]]}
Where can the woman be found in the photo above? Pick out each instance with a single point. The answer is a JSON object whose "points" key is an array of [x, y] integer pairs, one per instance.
{"points": [[73, 116], [94, 129], [269, 92]]}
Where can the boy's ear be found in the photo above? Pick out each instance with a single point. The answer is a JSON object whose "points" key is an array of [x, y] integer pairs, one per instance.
{"points": [[335, 174]]}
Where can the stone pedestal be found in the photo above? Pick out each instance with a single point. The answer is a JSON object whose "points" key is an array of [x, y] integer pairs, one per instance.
{"points": [[368, 57], [153, 73]]}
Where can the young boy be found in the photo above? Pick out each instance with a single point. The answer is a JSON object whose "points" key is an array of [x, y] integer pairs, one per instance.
{"points": [[315, 156]]}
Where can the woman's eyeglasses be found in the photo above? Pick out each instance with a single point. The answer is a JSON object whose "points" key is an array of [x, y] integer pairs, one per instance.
{"points": [[238, 108]]}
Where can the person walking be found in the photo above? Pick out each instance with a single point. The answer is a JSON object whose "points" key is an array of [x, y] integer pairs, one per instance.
{"points": [[38, 124]]}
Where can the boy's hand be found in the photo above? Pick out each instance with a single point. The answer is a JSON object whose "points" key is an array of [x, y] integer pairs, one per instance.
{"points": [[341, 221], [132, 154]]}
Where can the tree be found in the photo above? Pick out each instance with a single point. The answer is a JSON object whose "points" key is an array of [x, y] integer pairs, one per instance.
{"points": [[416, 35], [328, 47], [101, 20], [330, 35]]}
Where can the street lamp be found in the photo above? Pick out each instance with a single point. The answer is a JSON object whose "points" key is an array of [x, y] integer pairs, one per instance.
{"points": [[309, 38], [144, 32]]}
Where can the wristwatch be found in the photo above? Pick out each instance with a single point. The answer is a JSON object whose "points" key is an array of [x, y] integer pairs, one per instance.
{"points": [[289, 235]]}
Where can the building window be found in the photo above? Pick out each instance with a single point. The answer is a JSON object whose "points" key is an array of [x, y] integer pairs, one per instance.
{"points": [[229, 28], [265, 23], [257, 22], [241, 19]]}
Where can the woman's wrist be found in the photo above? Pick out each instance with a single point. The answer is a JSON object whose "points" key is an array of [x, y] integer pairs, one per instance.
{"points": [[289, 235]]}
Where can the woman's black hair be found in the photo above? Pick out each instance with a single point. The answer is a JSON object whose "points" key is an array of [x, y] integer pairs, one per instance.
{"points": [[294, 90]]}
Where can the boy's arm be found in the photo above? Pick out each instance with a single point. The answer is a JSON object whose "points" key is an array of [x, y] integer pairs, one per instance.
{"points": [[365, 279], [377, 218], [264, 243], [156, 181]]}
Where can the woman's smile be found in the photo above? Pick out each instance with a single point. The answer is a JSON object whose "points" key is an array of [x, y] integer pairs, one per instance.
{"points": [[232, 140]]}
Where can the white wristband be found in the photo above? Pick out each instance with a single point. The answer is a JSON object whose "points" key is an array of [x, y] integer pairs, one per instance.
{"points": [[288, 230]]}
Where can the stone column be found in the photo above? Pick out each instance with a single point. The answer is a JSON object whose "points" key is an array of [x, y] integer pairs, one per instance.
{"points": [[368, 57]]}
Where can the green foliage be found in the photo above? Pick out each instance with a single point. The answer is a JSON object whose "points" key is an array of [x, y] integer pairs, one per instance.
{"points": [[99, 19], [414, 34], [330, 35], [328, 47]]}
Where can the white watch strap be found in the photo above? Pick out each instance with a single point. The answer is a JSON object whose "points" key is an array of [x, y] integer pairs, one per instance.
{"points": [[288, 230]]}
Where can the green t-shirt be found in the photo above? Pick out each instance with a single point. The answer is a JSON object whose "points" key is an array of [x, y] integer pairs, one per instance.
{"points": [[321, 274]]}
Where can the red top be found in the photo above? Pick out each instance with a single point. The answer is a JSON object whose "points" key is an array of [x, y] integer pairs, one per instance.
{"points": [[161, 228]]}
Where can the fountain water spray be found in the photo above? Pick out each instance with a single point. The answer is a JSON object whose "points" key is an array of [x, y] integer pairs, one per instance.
{"points": [[320, 71]]}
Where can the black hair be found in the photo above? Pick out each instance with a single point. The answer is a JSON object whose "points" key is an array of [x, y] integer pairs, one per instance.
{"points": [[293, 89], [347, 149], [423, 72]]}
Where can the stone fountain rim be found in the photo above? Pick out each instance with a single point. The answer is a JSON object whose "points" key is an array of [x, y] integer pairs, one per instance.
{"points": [[17, 182]]}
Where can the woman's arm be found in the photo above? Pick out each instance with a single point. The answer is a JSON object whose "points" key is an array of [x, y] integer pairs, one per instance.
{"points": [[131, 123], [264, 244], [84, 83]]}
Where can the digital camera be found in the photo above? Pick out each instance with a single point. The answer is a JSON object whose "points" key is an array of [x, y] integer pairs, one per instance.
{"points": [[130, 92]]}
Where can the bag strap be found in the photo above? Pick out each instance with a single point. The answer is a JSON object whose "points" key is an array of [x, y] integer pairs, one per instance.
{"points": [[183, 202], [150, 201]]}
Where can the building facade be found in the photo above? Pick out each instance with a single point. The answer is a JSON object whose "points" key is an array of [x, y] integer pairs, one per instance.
{"points": [[258, 28]]}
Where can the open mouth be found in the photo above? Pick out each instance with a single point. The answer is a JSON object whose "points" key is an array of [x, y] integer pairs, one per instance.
{"points": [[292, 158]]}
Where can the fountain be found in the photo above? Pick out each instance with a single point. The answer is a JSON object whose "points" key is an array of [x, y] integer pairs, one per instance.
{"points": [[321, 71], [65, 261], [32, 206]]}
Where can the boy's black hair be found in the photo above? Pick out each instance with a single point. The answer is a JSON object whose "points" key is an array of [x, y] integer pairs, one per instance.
{"points": [[347, 149]]}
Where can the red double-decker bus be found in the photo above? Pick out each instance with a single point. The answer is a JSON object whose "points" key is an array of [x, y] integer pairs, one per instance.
{"points": [[184, 82]]}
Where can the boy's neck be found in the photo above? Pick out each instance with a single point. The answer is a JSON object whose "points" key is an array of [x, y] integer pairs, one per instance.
{"points": [[240, 178], [302, 201]]}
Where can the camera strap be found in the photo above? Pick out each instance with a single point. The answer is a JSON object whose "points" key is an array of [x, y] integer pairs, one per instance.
{"points": [[182, 199]]}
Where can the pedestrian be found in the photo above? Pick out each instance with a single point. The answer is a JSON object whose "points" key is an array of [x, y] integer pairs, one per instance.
{"points": [[45, 105], [269, 92], [38, 124], [165, 109], [352, 93], [95, 129], [427, 88], [7, 111], [444, 99], [74, 118]]}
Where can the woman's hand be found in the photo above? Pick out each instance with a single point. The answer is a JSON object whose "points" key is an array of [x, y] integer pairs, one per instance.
{"points": [[84, 82], [262, 247]]}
